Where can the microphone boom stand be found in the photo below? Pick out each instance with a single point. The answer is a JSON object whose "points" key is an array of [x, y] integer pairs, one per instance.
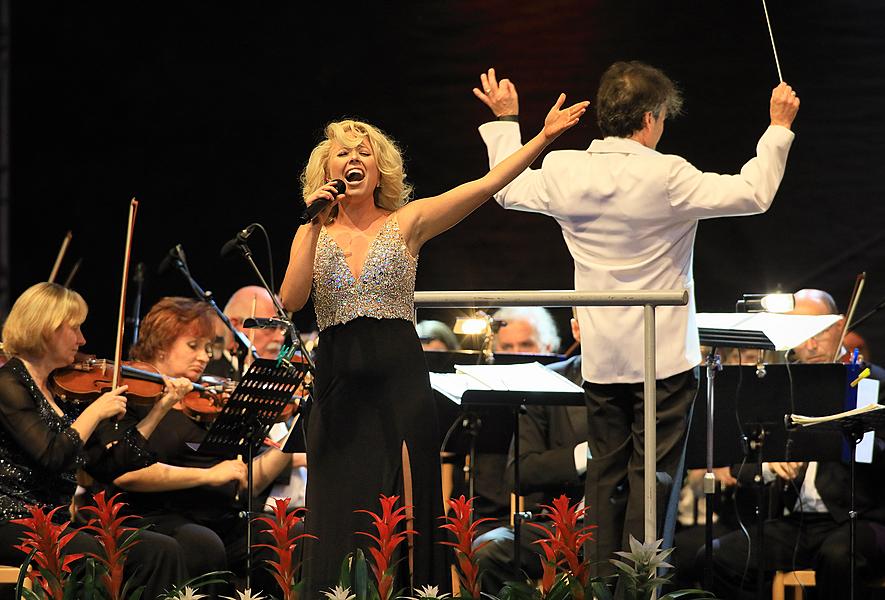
{"points": [[244, 348]]}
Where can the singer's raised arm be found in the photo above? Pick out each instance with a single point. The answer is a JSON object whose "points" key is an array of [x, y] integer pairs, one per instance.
{"points": [[424, 219]]}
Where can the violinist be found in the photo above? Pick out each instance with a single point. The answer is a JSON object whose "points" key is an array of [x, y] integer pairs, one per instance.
{"points": [[176, 337], [42, 442]]}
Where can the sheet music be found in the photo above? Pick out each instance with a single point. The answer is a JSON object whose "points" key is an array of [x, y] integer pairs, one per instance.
{"points": [[453, 385], [527, 377], [784, 331]]}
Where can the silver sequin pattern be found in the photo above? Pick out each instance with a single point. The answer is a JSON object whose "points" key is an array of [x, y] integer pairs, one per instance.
{"points": [[386, 286]]}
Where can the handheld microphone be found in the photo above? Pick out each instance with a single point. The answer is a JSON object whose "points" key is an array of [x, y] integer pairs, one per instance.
{"points": [[320, 205], [239, 240], [174, 255]]}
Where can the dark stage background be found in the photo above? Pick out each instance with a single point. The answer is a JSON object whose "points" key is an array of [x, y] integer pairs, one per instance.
{"points": [[206, 111]]}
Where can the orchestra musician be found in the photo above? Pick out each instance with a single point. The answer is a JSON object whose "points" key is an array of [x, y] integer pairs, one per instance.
{"points": [[630, 221], [43, 440], [814, 532], [190, 496], [250, 301], [372, 429]]}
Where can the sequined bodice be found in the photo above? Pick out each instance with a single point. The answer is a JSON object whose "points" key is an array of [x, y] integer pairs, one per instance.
{"points": [[385, 288]]}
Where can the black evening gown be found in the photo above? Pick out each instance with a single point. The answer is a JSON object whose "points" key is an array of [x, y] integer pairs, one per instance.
{"points": [[372, 428]]}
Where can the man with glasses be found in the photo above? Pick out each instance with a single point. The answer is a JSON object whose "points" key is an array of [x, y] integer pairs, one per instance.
{"points": [[250, 301], [814, 531]]}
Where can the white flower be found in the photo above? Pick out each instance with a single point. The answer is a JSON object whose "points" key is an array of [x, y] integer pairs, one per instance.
{"points": [[429, 592], [247, 595], [189, 594], [339, 593]]}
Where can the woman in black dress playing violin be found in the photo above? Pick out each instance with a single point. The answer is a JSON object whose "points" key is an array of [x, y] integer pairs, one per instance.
{"points": [[43, 441]]}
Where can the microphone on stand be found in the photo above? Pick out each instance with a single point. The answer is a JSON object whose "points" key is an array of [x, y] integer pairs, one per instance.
{"points": [[264, 322], [320, 205], [237, 241], [174, 255]]}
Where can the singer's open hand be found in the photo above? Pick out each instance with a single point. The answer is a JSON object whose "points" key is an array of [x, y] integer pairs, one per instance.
{"points": [[559, 119], [499, 96], [327, 192]]}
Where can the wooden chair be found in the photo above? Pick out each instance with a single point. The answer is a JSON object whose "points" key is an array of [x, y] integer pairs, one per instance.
{"points": [[797, 580], [9, 576]]}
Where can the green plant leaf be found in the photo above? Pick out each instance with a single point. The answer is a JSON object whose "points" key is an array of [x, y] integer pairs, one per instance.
{"points": [[600, 590], [624, 567], [22, 573], [344, 575], [688, 593], [360, 576]]}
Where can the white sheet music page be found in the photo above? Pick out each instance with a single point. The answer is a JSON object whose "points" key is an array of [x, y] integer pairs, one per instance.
{"points": [[528, 377], [453, 385], [867, 395], [784, 331]]}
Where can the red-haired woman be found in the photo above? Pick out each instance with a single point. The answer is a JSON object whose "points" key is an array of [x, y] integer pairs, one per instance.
{"points": [[174, 496]]}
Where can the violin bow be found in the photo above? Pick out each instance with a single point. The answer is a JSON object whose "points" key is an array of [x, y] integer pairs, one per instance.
{"points": [[73, 272], [121, 315], [852, 305], [61, 254]]}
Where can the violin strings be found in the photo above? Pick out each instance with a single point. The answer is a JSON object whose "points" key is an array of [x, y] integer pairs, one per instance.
{"points": [[773, 47]]}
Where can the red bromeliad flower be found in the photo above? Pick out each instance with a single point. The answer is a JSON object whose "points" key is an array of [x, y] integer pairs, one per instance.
{"points": [[116, 540], [465, 534], [548, 564], [567, 538], [49, 541], [280, 528], [388, 539]]}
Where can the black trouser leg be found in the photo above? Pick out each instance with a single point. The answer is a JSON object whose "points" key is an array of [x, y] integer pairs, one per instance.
{"points": [[616, 439]]}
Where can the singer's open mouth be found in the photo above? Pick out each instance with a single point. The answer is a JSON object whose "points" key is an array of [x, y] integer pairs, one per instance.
{"points": [[354, 175]]}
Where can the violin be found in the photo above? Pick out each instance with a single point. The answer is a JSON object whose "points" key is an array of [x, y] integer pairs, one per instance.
{"points": [[205, 407], [89, 378]]}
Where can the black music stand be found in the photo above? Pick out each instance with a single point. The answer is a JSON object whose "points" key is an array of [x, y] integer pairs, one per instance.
{"points": [[765, 331], [516, 401], [853, 427], [242, 425], [817, 389]]}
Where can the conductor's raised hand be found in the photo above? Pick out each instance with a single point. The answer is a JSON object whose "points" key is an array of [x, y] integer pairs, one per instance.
{"points": [[499, 96], [784, 105], [559, 119]]}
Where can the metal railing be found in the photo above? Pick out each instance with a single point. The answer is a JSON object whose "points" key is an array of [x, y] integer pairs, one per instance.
{"points": [[647, 299]]}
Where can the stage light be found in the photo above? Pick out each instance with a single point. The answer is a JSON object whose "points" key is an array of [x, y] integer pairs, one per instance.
{"points": [[773, 303]]}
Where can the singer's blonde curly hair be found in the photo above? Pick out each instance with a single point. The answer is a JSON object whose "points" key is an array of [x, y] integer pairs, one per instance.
{"points": [[393, 192]]}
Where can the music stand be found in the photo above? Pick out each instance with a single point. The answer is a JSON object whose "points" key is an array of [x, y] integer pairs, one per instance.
{"points": [[766, 331], [853, 425], [549, 388], [247, 416]]}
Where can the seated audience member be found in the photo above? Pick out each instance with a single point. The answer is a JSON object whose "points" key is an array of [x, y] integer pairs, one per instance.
{"points": [[43, 441], [814, 532], [553, 460]]}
